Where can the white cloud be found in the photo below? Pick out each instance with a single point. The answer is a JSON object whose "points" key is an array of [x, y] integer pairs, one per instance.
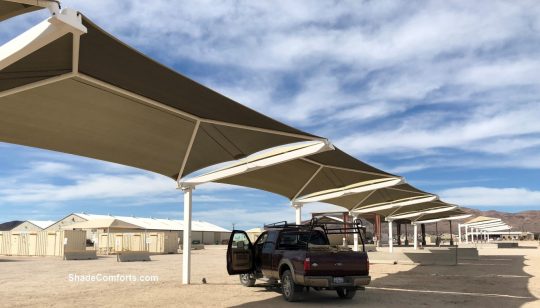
{"points": [[94, 186], [480, 131], [48, 167], [486, 196]]}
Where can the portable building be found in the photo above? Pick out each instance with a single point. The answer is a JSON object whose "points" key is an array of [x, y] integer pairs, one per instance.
{"points": [[26, 225], [41, 243], [140, 234]]}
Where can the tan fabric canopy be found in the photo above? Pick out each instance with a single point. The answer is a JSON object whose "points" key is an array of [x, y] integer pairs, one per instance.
{"points": [[10, 9], [376, 198], [104, 223], [102, 99], [314, 173], [415, 210], [482, 219], [444, 215]]}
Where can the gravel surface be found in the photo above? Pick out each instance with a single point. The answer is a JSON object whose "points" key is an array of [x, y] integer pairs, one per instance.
{"points": [[501, 278]]}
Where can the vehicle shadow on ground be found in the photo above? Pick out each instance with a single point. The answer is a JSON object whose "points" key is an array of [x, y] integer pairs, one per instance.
{"points": [[497, 281], [10, 260]]}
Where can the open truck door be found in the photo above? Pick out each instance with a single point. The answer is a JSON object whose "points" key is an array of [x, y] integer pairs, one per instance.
{"points": [[239, 253]]}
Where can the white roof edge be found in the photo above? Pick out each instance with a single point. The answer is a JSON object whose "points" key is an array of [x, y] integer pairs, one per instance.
{"points": [[162, 224], [43, 224]]}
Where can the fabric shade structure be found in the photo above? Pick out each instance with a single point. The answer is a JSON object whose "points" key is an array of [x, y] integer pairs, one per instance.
{"points": [[494, 229], [69, 86], [480, 220], [303, 176], [481, 224], [485, 227], [104, 223], [454, 214], [379, 201], [413, 211]]}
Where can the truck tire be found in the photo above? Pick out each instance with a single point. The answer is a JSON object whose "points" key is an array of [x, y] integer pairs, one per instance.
{"points": [[247, 280], [346, 293], [290, 290]]}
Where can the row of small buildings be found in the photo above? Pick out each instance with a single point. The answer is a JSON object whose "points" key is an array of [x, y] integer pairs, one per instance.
{"points": [[104, 233]]}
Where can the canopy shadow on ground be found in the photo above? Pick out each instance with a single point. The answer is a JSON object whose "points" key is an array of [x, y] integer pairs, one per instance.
{"points": [[492, 280]]}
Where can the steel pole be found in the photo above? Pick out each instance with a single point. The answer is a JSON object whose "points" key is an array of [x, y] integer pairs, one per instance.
{"points": [[186, 253]]}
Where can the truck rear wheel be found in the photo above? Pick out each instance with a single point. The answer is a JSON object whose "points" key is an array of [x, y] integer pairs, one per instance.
{"points": [[291, 291], [346, 293], [247, 280]]}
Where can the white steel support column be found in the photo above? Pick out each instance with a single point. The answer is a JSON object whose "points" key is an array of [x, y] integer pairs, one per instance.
{"points": [[298, 210], [390, 239], [459, 233], [355, 236], [186, 250], [415, 232]]}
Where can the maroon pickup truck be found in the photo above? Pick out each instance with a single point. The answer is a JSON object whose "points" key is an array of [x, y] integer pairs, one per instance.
{"points": [[301, 257]]}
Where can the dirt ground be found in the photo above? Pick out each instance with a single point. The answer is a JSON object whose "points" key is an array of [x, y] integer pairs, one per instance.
{"points": [[501, 278]]}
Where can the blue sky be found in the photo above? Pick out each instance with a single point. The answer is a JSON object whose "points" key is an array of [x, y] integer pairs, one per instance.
{"points": [[446, 93]]}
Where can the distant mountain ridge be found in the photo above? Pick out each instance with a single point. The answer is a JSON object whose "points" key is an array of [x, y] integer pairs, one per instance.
{"points": [[521, 221]]}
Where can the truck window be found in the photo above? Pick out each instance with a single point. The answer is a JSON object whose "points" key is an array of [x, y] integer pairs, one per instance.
{"points": [[262, 238], [240, 241], [299, 240]]}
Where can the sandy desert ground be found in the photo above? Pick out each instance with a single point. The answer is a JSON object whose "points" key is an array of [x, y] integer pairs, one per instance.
{"points": [[501, 278]]}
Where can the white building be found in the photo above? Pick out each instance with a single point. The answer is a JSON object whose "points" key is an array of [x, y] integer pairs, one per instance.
{"points": [[204, 232]]}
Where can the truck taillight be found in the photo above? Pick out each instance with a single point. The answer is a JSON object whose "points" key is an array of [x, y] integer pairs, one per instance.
{"points": [[307, 264]]}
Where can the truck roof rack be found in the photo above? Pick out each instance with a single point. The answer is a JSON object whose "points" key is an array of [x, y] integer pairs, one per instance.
{"points": [[355, 227], [333, 227]]}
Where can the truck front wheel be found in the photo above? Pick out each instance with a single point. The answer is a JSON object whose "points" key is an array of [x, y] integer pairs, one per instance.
{"points": [[247, 280], [346, 293], [291, 291]]}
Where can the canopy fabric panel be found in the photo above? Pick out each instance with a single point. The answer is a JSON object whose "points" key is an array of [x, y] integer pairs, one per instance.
{"points": [[52, 60], [106, 58], [314, 173], [480, 219], [415, 208], [443, 215], [92, 95], [365, 200], [10, 9]]}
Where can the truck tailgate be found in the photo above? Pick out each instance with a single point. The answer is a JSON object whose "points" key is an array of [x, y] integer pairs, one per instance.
{"points": [[338, 263]]}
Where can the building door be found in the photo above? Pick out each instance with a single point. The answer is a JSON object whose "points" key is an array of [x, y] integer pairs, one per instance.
{"points": [[15, 244]]}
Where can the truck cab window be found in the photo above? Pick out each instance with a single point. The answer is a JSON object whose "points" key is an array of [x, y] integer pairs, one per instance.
{"points": [[299, 240]]}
